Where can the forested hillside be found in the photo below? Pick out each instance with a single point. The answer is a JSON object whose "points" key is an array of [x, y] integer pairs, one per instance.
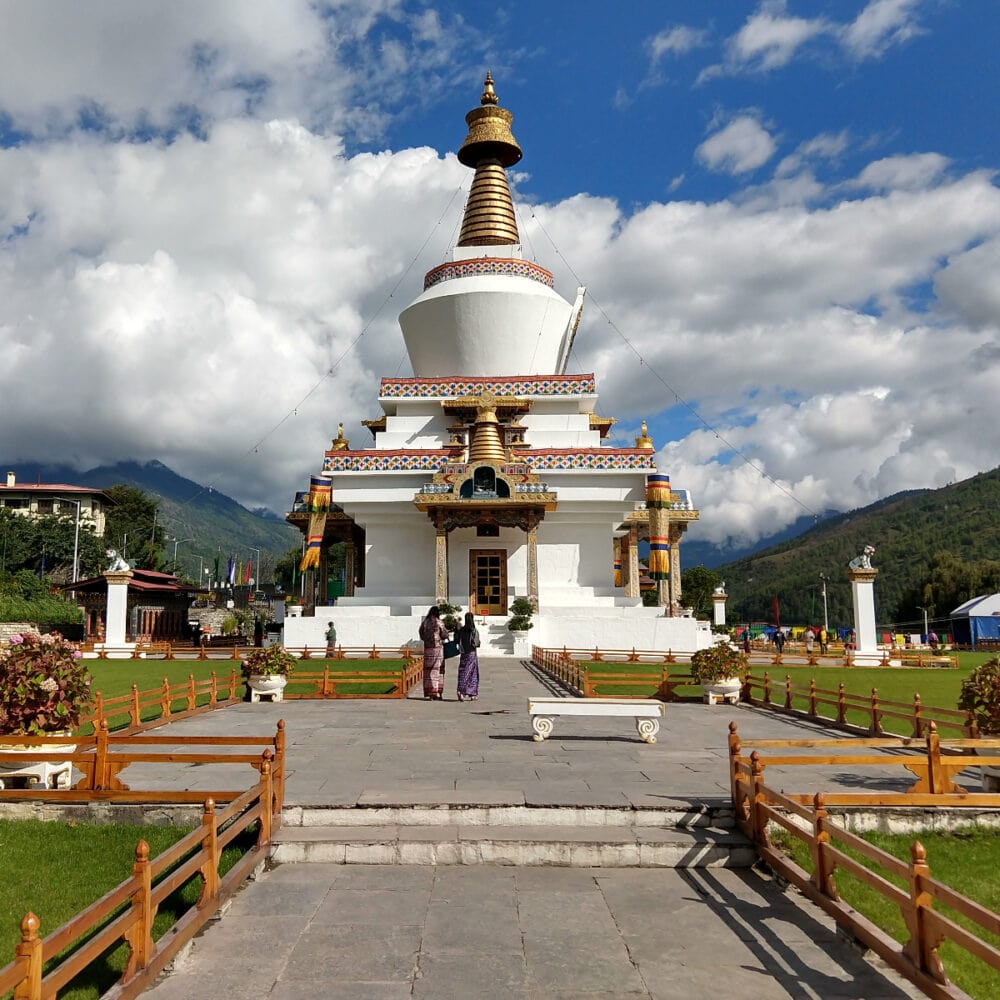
{"points": [[934, 549]]}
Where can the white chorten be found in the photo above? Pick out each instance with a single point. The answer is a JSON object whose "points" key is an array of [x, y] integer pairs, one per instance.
{"points": [[489, 476]]}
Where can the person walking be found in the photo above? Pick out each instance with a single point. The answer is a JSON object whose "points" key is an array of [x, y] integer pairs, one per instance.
{"points": [[779, 640], [467, 637], [824, 639], [810, 638], [433, 634]]}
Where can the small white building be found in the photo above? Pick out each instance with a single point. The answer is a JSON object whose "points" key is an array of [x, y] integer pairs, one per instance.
{"points": [[489, 476]]}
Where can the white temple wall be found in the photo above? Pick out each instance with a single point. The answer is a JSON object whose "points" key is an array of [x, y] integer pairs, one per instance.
{"points": [[399, 554]]}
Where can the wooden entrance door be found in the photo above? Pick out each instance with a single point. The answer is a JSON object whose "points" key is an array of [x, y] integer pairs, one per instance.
{"points": [[488, 581]]}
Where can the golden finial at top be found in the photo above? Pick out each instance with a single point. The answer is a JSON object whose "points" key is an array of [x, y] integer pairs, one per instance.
{"points": [[489, 94], [644, 440], [340, 443]]}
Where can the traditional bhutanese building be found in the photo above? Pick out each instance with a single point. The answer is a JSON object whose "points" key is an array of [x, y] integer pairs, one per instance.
{"points": [[489, 475]]}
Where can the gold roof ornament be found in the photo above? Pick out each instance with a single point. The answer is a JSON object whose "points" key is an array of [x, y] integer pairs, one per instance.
{"points": [[486, 445], [489, 148], [340, 443], [644, 440]]}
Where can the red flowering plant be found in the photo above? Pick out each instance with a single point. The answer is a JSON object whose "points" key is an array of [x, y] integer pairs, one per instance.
{"points": [[268, 661], [44, 685]]}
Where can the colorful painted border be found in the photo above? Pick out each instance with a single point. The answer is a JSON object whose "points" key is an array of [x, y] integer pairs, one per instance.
{"points": [[517, 385], [505, 266], [433, 460]]}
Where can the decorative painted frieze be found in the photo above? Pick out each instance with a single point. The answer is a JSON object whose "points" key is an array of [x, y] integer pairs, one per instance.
{"points": [[521, 385], [480, 266]]}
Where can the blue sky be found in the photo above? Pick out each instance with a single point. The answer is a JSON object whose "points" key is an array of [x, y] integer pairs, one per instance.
{"points": [[788, 211]]}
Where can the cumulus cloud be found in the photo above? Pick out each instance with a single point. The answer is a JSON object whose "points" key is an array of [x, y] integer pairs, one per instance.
{"points": [[676, 41], [219, 298], [770, 38], [739, 146], [879, 26]]}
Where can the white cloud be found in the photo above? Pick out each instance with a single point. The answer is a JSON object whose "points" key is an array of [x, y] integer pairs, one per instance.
{"points": [[741, 145], [770, 38], [879, 26], [913, 172], [676, 41]]}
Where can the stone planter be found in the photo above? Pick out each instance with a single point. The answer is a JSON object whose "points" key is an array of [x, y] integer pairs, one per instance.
{"points": [[47, 773], [522, 644], [726, 691], [270, 686]]}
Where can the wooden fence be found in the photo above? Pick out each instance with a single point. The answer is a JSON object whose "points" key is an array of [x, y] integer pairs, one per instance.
{"points": [[237, 650], [785, 696], [758, 807], [568, 666], [329, 683], [125, 914]]}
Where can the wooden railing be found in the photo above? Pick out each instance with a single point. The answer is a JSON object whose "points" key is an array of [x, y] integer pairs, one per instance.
{"points": [[808, 701], [932, 761], [805, 818], [125, 914], [101, 758], [573, 669], [219, 650], [197, 696], [327, 683]]}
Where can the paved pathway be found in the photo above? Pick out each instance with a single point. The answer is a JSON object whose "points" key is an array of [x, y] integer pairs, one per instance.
{"points": [[354, 932]]}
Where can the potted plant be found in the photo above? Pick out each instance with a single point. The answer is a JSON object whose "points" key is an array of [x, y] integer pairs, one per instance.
{"points": [[449, 616], [980, 695], [519, 623], [266, 671], [717, 669], [44, 690]]}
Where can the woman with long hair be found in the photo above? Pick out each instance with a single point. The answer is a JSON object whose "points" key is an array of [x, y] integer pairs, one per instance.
{"points": [[434, 635], [468, 665]]}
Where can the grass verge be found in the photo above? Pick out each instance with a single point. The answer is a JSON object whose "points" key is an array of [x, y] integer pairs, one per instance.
{"points": [[73, 864], [964, 859]]}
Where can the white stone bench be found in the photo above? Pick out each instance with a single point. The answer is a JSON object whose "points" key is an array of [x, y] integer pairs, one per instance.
{"points": [[647, 713]]}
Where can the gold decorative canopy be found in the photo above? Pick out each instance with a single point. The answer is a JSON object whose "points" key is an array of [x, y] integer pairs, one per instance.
{"points": [[489, 148]]}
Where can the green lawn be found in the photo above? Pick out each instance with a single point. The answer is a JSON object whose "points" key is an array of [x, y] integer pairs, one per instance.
{"points": [[963, 859], [72, 865]]}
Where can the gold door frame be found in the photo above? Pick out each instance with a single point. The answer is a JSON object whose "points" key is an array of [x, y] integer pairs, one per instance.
{"points": [[492, 574]]}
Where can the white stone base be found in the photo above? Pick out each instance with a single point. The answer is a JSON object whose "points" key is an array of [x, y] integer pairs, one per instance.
{"points": [[622, 628], [117, 651], [859, 658]]}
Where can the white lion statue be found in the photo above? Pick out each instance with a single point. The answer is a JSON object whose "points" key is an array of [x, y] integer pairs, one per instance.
{"points": [[116, 564], [863, 561]]}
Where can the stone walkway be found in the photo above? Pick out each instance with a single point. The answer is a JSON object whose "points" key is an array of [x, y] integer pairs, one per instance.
{"points": [[354, 932]]}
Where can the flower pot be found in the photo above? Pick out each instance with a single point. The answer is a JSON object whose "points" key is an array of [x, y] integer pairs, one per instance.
{"points": [[725, 691], [522, 643], [48, 773], [270, 686]]}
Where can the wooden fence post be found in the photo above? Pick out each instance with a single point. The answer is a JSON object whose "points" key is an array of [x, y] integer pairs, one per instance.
{"points": [[841, 704], [812, 697], [734, 758], [139, 935], [165, 699], [767, 688], [135, 712], [213, 690], [788, 692], [268, 804], [191, 693], [758, 825], [210, 848], [28, 954], [921, 949], [875, 726], [823, 868], [918, 718], [306, 655], [99, 777]]}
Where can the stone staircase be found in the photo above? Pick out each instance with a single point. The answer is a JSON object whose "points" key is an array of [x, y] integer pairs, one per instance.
{"points": [[695, 836]]}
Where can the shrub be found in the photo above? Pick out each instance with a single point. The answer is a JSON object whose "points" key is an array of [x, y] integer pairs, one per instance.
{"points": [[981, 695], [522, 609], [449, 615], [44, 685], [717, 663], [268, 661]]}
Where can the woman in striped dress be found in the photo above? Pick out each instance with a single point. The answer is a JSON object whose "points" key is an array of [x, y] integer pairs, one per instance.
{"points": [[434, 635], [468, 665]]}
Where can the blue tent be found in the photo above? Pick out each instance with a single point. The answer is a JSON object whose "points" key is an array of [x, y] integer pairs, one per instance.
{"points": [[976, 620]]}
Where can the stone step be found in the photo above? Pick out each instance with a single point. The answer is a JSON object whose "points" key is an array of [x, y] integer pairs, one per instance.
{"points": [[602, 846], [497, 815]]}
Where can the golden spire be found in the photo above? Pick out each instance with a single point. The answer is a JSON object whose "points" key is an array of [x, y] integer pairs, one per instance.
{"points": [[644, 440], [489, 148], [486, 445]]}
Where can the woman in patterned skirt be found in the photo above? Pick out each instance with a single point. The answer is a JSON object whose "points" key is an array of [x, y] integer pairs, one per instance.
{"points": [[468, 665], [434, 634]]}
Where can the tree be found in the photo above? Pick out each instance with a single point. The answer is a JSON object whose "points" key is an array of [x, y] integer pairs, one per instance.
{"points": [[132, 527], [697, 586]]}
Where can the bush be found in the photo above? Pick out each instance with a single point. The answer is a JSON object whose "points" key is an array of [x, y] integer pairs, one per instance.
{"points": [[268, 661], [449, 615], [981, 695], [44, 685], [717, 663], [522, 609]]}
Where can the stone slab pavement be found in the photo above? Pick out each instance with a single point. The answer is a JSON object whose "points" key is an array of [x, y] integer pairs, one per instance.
{"points": [[501, 933], [412, 751]]}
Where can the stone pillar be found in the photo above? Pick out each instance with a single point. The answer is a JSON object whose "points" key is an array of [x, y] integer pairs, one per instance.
{"points": [[663, 595], [674, 536], [533, 565], [866, 652], [441, 566], [632, 570], [117, 613], [719, 606], [349, 556]]}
